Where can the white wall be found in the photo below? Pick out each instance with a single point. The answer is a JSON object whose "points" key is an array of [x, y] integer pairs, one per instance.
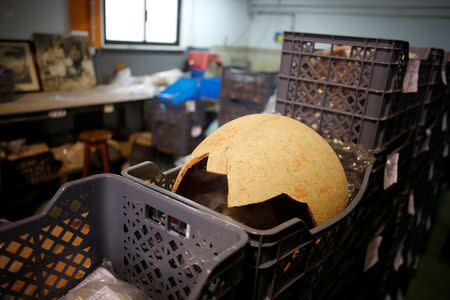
{"points": [[214, 22], [424, 23], [417, 31], [262, 31], [19, 19]]}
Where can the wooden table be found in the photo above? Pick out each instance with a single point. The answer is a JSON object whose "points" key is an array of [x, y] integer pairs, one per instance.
{"points": [[54, 104]]}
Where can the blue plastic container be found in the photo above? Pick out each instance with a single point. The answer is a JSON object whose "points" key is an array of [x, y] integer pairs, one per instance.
{"points": [[182, 90], [210, 88]]}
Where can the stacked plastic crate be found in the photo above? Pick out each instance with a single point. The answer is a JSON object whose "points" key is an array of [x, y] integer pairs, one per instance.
{"points": [[244, 92], [446, 116], [353, 92], [429, 141], [351, 89], [425, 171]]}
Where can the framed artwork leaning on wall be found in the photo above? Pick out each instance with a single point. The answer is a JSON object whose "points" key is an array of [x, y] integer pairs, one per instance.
{"points": [[64, 62], [19, 57]]}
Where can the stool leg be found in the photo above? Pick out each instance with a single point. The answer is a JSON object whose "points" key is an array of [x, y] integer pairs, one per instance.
{"points": [[86, 160], [104, 148]]}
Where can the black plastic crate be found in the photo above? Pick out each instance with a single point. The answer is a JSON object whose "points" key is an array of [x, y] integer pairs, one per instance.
{"points": [[244, 92], [431, 89], [389, 274], [396, 231], [430, 64], [432, 137], [414, 117], [447, 72], [30, 170], [162, 246], [399, 169], [434, 92], [437, 59], [231, 109], [245, 85], [430, 112], [416, 98], [421, 141], [351, 91], [277, 259], [438, 138], [178, 128], [425, 204]]}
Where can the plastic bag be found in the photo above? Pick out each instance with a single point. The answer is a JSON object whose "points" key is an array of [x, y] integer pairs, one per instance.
{"points": [[101, 284], [166, 78], [270, 105]]}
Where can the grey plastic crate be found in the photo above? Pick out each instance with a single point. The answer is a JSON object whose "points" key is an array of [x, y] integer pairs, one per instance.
{"points": [[374, 64], [277, 259], [352, 96], [373, 133], [162, 246]]}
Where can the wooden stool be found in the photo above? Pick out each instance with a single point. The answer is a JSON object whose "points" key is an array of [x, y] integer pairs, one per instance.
{"points": [[95, 139]]}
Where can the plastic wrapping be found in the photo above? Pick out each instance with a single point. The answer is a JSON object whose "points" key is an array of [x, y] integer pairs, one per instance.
{"points": [[269, 108], [101, 284], [70, 154], [355, 159], [150, 85]]}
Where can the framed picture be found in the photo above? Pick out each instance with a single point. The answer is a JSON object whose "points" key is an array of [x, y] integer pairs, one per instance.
{"points": [[64, 62], [17, 56]]}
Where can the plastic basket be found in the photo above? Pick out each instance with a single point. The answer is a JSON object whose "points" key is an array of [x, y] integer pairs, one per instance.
{"points": [[447, 73], [431, 90], [162, 246], [239, 83], [350, 95], [437, 59], [32, 169], [400, 170], [276, 258], [438, 138], [231, 109], [244, 92], [432, 137], [375, 134], [178, 128]]}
